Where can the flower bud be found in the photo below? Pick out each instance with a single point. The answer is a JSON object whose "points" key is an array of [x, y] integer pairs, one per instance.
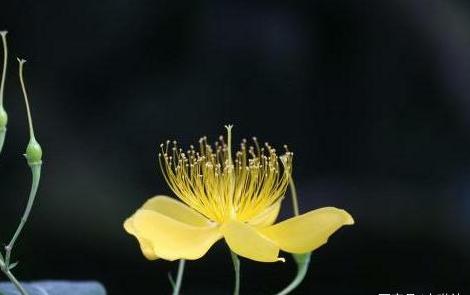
{"points": [[3, 118], [33, 152]]}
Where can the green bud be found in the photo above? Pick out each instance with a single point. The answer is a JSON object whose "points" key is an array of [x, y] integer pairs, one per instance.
{"points": [[3, 117], [33, 152]]}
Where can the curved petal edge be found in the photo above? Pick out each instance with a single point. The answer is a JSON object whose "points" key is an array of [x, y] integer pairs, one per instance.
{"points": [[307, 232], [169, 238], [245, 240]]}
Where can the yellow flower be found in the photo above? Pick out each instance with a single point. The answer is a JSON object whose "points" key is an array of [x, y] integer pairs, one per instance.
{"points": [[237, 199]]}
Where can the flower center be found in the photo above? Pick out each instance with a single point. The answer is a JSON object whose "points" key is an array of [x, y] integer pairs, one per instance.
{"points": [[219, 186]]}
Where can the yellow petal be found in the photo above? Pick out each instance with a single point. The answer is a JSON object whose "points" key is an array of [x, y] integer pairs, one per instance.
{"points": [[307, 232], [175, 209], [266, 217], [145, 245], [244, 240], [171, 239]]}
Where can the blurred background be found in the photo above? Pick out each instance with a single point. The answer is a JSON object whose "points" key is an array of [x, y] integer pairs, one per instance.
{"points": [[372, 96]]}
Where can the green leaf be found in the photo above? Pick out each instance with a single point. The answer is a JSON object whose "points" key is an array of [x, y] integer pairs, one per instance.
{"points": [[13, 265], [172, 281]]}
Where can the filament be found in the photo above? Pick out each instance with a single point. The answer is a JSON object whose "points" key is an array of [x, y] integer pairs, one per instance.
{"points": [[219, 186]]}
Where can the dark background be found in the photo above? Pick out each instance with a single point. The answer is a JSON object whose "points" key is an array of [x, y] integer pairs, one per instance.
{"points": [[372, 96]]}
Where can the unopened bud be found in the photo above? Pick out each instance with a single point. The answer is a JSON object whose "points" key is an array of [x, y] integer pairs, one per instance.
{"points": [[33, 152], [3, 118]]}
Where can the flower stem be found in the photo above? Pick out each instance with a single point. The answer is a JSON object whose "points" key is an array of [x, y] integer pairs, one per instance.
{"points": [[11, 277], [5, 61], [179, 277], [15, 282], [36, 173], [34, 159], [3, 114], [302, 260], [236, 268]]}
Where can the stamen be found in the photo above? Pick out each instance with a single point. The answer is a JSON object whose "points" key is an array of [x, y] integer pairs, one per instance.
{"points": [[219, 185]]}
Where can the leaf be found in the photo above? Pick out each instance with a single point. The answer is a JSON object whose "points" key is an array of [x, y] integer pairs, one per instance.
{"points": [[172, 281], [13, 265]]}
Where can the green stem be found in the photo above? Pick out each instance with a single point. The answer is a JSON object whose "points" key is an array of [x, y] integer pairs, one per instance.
{"points": [[15, 282], [12, 278], [3, 114], [236, 267], [179, 277], [36, 174], [303, 261], [3, 34]]}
